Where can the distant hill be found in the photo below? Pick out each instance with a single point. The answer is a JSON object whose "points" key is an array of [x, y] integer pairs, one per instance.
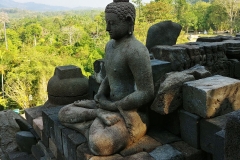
{"points": [[7, 4]]}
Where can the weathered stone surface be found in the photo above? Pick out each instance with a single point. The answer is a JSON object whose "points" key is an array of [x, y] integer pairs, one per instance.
{"points": [[232, 137], [8, 130], [38, 126], [139, 156], [166, 152], [93, 87], [176, 55], [194, 53], [65, 133], [25, 141], [67, 85], [163, 33], [33, 112], [53, 147], [162, 136], [189, 152], [209, 39], [83, 152], [23, 124], [49, 116], [73, 141], [189, 126], [232, 43], [146, 143], [159, 69], [218, 151], [208, 129], [169, 96], [37, 152], [113, 157], [99, 70], [48, 155], [16, 155], [198, 72], [212, 96]]}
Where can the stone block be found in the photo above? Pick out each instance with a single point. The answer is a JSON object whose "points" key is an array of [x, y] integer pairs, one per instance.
{"points": [[73, 141], [159, 69], [162, 136], [188, 151], [23, 124], [209, 39], [171, 123], [212, 96], [166, 152], [208, 129], [232, 43], [25, 141], [218, 151], [237, 70], [58, 135], [53, 148], [37, 152], [38, 126], [113, 157], [146, 143], [32, 113], [139, 156], [232, 137], [189, 127], [16, 155], [198, 72], [47, 153], [49, 116], [83, 152], [194, 53], [163, 33], [177, 56], [45, 139], [65, 133], [169, 96], [93, 87]]}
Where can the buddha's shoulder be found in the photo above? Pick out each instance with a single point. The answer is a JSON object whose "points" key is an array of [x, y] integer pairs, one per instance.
{"points": [[137, 45]]}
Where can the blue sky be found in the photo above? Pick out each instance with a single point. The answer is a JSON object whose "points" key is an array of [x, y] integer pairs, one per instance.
{"points": [[74, 3]]}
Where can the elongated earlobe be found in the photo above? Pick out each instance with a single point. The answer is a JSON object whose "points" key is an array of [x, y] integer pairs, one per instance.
{"points": [[130, 20]]}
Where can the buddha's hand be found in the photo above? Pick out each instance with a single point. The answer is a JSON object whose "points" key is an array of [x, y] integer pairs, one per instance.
{"points": [[90, 104], [107, 117]]}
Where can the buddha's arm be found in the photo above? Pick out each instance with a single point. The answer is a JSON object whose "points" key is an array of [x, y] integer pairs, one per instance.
{"points": [[142, 72], [103, 90]]}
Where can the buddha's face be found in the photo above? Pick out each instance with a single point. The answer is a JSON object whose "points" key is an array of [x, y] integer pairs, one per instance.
{"points": [[116, 27]]}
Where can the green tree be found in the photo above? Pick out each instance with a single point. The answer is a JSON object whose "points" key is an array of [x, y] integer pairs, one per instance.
{"points": [[216, 16], [200, 9], [232, 8], [4, 19]]}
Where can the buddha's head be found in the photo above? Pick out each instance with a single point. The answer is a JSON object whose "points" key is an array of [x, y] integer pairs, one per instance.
{"points": [[120, 18]]}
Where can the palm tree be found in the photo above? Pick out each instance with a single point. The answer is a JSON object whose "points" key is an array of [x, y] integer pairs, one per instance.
{"points": [[4, 19]]}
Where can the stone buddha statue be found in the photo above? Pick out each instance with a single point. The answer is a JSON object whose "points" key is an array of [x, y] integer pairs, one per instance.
{"points": [[117, 117]]}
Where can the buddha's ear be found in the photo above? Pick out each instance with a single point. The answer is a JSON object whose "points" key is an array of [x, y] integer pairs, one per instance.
{"points": [[129, 19]]}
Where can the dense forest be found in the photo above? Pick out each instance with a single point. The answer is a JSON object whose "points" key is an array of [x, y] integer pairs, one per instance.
{"points": [[32, 44]]}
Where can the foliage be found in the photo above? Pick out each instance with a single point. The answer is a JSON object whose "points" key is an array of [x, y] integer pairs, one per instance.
{"points": [[32, 44]]}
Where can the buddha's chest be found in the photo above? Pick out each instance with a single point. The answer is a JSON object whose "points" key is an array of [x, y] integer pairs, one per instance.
{"points": [[116, 61]]}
